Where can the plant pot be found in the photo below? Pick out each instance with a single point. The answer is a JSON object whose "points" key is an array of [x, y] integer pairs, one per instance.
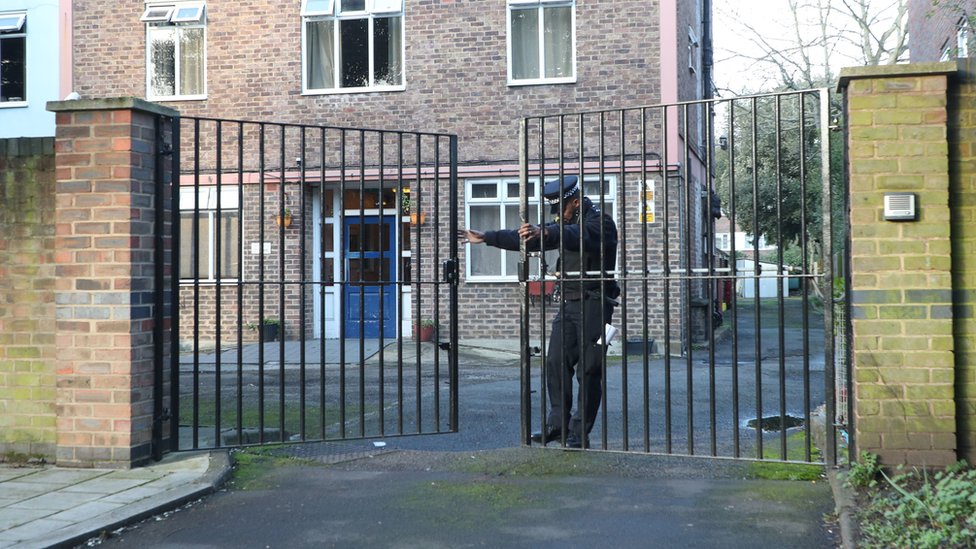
{"points": [[424, 333], [269, 332], [283, 222], [640, 347]]}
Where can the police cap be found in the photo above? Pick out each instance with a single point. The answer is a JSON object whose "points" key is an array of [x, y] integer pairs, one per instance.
{"points": [[565, 189]]}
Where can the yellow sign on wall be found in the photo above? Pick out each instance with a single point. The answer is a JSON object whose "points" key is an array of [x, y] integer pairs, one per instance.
{"points": [[648, 199]]}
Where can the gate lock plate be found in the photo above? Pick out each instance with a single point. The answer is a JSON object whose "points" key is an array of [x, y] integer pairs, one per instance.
{"points": [[450, 269]]}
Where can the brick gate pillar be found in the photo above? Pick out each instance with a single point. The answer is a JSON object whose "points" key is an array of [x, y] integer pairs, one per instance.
{"points": [[901, 271], [105, 159]]}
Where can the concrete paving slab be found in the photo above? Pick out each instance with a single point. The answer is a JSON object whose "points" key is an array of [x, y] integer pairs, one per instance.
{"points": [[12, 473], [132, 495], [24, 490], [62, 476], [11, 517], [105, 485], [34, 529], [61, 507], [86, 511], [58, 501]]}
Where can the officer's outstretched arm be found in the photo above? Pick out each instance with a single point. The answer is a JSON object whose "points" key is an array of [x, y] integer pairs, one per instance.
{"points": [[470, 236]]}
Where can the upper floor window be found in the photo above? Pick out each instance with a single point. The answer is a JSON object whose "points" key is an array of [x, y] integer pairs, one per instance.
{"points": [[176, 50], [694, 54], [541, 41], [352, 45], [13, 59], [962, 38]]}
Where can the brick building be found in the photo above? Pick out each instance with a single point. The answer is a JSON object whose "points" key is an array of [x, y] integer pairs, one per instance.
{"points": [[464, 67], [940, 31], [35, 63]]}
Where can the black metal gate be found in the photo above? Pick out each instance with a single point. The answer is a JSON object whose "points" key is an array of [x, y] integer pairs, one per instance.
{"points": [[312, 269], [727, 332]]}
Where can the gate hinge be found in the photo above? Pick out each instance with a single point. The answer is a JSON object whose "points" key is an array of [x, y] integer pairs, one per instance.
{"points": [[450, 268]]}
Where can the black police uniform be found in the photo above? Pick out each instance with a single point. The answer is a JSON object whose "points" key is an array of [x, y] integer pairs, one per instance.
{"points": [[580, 321]]}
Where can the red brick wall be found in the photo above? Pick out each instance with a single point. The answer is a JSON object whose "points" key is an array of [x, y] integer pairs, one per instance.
{"points": [[105, 278], [27, 313]]}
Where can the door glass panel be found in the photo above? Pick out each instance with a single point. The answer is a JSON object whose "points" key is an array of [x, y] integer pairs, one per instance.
{"points": [[328, 271], [328, 237], [405, 270], [368, 238], [371, 200], [371, 269], [329, 209]]}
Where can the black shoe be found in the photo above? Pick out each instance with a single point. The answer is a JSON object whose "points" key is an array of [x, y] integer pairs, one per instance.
{"points": [[574, 441], [554, 433]]}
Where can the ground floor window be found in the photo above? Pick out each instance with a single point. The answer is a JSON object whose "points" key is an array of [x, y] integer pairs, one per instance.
{"points": [[207, 234], [493, 204]]}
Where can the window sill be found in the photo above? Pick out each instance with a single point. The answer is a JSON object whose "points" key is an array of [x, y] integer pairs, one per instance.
{"points": [[12, 104], [341, 91], [491, 279], [541, 82], [177, 98]]}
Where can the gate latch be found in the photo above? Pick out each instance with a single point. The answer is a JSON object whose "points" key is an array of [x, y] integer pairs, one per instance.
{"points": [[450, 269]]}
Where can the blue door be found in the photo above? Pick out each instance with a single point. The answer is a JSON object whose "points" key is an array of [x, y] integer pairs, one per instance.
{"points": [[370, 276]]}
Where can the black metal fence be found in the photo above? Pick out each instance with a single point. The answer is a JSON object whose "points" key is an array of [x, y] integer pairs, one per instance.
{"points": [[724, 214], [311, 265]]}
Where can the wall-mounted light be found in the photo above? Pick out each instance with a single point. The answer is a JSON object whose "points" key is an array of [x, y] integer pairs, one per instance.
{"points": [[723, 143]]}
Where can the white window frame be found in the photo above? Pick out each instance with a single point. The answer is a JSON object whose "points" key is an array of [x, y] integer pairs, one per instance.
{"points": [[540, 5], [502, 199], [16, 30], [694, 56], [332, 11], [195, 15], [946, 52], [962, 38], [229, 201], [156, 20], [18, 19], [328, 9]]}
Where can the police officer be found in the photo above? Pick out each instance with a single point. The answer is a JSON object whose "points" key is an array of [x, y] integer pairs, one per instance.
{"points": [[588, 247]]}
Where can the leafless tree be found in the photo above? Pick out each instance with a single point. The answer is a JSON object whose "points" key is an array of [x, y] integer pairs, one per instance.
{"points": [[806, 48]]}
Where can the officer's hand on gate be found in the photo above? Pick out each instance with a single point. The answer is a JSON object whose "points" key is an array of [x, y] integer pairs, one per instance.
{"points": [[528, 231]]}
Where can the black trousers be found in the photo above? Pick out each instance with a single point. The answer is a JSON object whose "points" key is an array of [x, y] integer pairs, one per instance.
{"points": [[573, 352]]}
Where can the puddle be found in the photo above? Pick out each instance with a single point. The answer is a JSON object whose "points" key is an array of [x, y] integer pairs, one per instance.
{"points": [[772, 423]]}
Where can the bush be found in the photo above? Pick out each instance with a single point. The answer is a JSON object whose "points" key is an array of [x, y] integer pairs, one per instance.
{"points": [[864, 474], [923, 512]]}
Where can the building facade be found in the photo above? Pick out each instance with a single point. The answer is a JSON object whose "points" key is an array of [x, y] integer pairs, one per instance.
{"points": [[465, 67], [940, 31], [35, 64]]}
